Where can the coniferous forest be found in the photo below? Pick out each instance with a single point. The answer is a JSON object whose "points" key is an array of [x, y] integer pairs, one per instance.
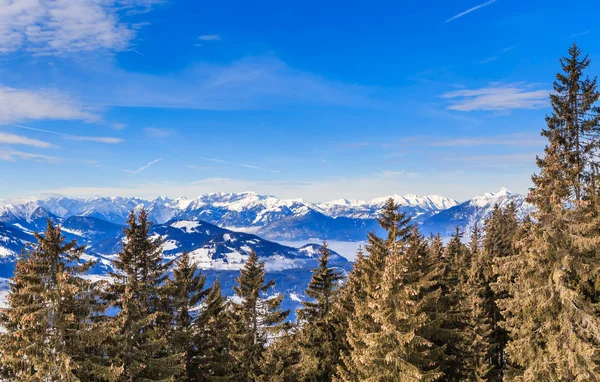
{"points": [[513, 300]]}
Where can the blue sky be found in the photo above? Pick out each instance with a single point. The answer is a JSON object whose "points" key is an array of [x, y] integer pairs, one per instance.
{"points": [[316, 100]]}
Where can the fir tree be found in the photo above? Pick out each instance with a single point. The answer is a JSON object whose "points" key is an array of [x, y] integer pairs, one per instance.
{"points": [[320, 347], [479, 293], [451, 312], [254, 318], [364, 284], [401, 348], [548, 288], [51, 315], [186, 292], [213, 361], [138, 345]]}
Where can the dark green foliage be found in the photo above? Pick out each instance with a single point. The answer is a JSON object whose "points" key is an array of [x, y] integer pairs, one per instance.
{"points": [[186, 292], [51, 314], [213, 361], [255, 317], [548, 285], [138, 345], [317, 337]]}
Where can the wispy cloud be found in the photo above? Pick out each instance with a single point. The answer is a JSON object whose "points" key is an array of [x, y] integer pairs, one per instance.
{"points": [[498, 97], [495, 140], [577, 34], [13, 139], [458, 16], [251, 83], [209, 37], [489, 59], [215, 160], [509, 48], [119, 126], [71, 137], [13, 155], [18, 105], [64, 27], [155, 132], [500, 53], [143, 168]]}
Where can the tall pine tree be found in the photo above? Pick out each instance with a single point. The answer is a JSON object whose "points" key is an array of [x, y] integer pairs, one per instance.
{"points": [[51, 315], [549, 292], [138, 345], [186, 291], [255, 317], [317, 337]]}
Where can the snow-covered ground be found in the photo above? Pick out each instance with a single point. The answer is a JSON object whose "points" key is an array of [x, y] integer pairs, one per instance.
{"points": [[348, 249]]}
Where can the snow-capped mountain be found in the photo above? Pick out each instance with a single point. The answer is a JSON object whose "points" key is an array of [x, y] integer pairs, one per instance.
{"points": [[217, 229], [273, 218], [474, 211], [414, 205]]}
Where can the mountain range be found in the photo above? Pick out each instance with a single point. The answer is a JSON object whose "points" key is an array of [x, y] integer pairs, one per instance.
{"points": [[220, 229]]}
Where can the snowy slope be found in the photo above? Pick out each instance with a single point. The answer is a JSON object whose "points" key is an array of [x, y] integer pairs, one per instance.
{"points": [[474, 211]]}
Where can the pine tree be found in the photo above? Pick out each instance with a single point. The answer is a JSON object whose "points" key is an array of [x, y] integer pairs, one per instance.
{"points": [[451, 312], [213, 361], [364, 284], [548, 285], [51, 314], [401, 348], [320, 347], [481, 350], [138, 345], [254, 318], [186, 292]]}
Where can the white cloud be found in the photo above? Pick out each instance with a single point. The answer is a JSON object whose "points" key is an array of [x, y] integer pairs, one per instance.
{"points": [[19, 104], [68, 26], [496, 140], [458, 16], [13, 155], [155, 132], [460, 185], [13, 139], [498, 97], [145, 167], [250, 83], [74, 137], [209, 37], [240, 165]]}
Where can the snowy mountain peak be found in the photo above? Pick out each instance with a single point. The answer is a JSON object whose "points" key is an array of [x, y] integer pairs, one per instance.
{"points": [[501, 192]]}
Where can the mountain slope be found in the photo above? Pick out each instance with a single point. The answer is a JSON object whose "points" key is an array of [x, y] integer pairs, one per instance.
{"points": [[474, 211]]}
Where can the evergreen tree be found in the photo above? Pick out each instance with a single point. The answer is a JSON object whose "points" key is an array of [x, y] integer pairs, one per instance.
{"points": [[51, 315], [213, 361], [401, 349], [186, 292], [364, 284], [320, 347], [549, 284], [254, 318], [138, 345], [479, 293], [451, 312]]}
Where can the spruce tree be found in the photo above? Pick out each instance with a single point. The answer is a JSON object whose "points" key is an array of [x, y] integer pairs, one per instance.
{"points": [[255, 317], [186, 292], [548, 285], [51, 317], [478, 295], [213, 361], [138, 345], [364, 284], [317, 337], [451, 312], [401, 348]]}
